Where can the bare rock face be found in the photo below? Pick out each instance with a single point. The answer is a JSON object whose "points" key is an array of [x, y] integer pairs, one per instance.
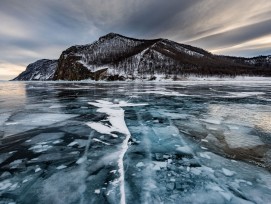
{"points": [[70, 69], [41, 70], [116, 57]]}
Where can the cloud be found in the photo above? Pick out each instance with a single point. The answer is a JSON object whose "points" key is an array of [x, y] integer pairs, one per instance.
{"points": [[33, 29], [235, 36], [251, 47], [9, 71]]}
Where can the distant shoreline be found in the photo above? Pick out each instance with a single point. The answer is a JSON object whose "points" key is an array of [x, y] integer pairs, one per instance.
{"points": [[236, 79]]}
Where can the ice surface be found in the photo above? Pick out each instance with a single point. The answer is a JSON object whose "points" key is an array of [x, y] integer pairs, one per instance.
{"points": [[236, 139], [228, 172], [40, 148], [45, 137], [55, 156], [212, 121], [243, 94], [40, 119], [185, 149], [61, 167], [165, 93], [103, 129], [5, 184], [21, 122], [189, 142], [97, 140], [159, 165], [205, 155], [237, 115], [72, 144], [116, 119], [3, 118]]}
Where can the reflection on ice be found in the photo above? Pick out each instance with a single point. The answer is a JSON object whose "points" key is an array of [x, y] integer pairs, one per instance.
{"points": [[243, 114], [237, 139]]}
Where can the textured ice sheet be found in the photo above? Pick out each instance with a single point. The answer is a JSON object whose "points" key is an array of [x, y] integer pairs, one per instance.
{"points": [[3, 118], [40, 119], [45, 137], [237, 139], [165, 93], [21, 122], [115, 116], [243, 115], [165, 146], [243, 94]]}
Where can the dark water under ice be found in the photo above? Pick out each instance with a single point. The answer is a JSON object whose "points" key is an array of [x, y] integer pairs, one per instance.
{"points": [[185, 142]]}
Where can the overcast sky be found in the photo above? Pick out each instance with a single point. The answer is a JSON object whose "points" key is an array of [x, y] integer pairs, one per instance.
{"points": [[35, 29]]}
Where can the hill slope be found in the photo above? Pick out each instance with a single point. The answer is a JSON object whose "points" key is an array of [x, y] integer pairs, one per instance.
{"points": [[116, 57], [40, 70]]}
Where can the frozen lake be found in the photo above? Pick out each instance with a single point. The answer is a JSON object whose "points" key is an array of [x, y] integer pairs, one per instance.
{"points": [[183, 142]]}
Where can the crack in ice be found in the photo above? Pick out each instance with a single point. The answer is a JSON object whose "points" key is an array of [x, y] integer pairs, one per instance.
{"points": [[116, 119]]}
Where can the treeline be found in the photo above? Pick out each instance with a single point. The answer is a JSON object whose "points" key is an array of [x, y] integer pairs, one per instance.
{"points": [[137, 58]]}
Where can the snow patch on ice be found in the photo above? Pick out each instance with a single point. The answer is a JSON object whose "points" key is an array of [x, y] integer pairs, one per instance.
{"points": [[236, 139], [61, 167], [101, 128], [40, 148], [45, 137], [159, 165], [243, 94], [37, 169], [42, 119], [204, 155], [225, 194], [16, 163], [97, 191], [81, 160], [72, 144], [97, 140], [165, 93], [140, 164], [56, 106], [196, 171], [5, 184], [227, 172], [207, 169], [185, 150], [57, 141]]}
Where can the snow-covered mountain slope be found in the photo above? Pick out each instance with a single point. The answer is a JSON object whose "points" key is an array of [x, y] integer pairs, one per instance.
{"points": [[260, 61], [40, 70], [121, 57], [116, 57]]}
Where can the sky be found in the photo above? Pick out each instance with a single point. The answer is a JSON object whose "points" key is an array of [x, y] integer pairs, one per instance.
{"points": [[36, 29]]}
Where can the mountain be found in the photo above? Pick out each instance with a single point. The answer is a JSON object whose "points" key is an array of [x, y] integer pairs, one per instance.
{"points": [[116, 57], [260, 61], [40, 70]]}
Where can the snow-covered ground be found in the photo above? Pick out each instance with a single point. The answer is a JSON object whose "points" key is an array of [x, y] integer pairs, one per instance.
{"points": [[130, 142], [193, 79]]}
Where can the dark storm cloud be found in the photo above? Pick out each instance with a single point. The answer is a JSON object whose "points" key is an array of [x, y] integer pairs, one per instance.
{"points": [[34, 29]]}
